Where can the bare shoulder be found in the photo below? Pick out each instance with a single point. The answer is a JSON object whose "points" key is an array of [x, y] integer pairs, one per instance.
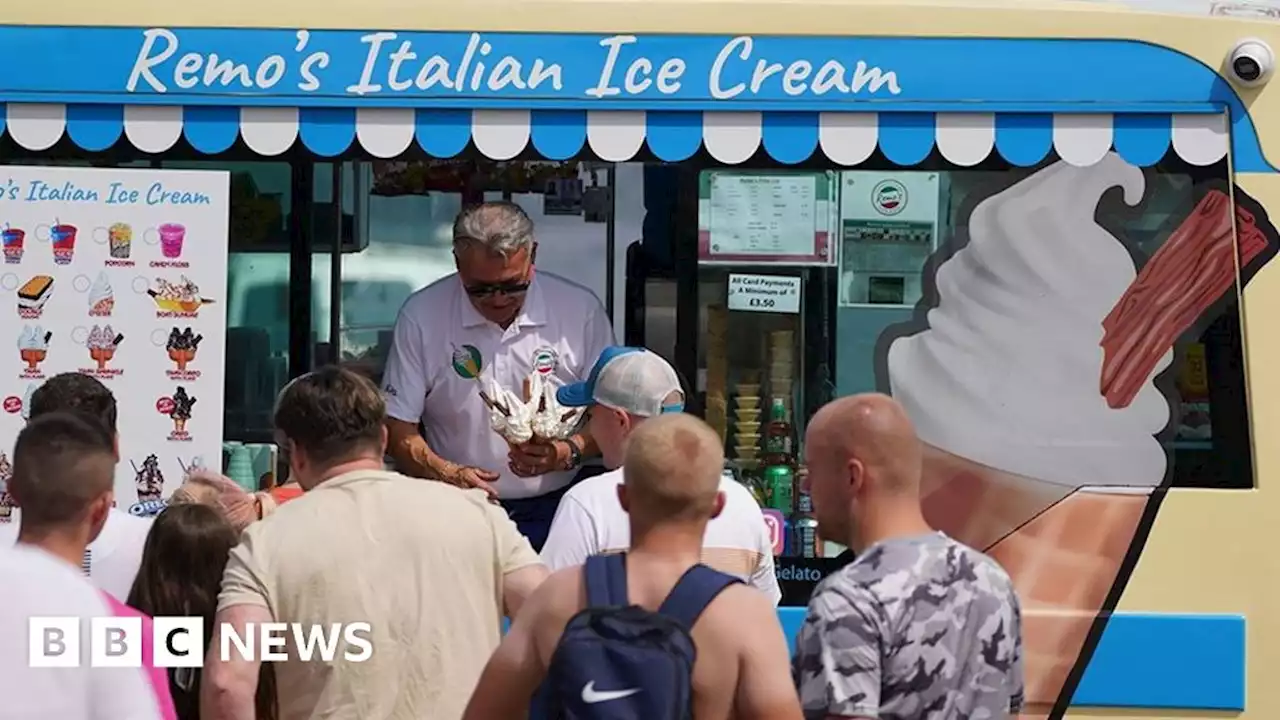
{"points": [[560, 596], [739, 615]]}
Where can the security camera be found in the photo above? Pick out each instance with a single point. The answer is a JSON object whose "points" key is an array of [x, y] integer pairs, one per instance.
{"points": [[1251, 62]]}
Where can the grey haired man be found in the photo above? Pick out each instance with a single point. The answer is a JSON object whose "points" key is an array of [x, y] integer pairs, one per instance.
{"points": [[499, 319]]}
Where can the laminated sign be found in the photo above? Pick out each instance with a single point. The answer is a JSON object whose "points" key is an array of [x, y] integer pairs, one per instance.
{"points": [[764, 293]]}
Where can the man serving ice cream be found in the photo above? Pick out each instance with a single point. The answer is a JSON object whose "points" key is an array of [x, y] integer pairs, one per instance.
{"points": [[476, 358], [1032, 388]]}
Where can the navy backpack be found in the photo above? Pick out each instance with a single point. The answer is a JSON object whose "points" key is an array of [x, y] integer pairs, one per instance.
{"points": [[618, 661]]}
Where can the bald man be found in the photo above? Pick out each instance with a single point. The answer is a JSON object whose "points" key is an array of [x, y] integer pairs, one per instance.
{"points": [[919, 625], [670, 490]]}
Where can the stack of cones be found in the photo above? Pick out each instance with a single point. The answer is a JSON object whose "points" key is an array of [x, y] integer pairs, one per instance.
{"points": [[782, 365], [717, 411], [746, 424]]}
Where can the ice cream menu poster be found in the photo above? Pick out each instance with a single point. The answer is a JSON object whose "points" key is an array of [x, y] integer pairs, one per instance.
{"points": [[120, 275]]}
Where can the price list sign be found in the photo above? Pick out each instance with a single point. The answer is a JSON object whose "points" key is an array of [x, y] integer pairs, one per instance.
{"points": [[749, 217], [764, 293]]}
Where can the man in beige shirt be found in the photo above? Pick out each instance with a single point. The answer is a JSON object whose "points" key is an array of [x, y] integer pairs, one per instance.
{"points": [[432, 569]]}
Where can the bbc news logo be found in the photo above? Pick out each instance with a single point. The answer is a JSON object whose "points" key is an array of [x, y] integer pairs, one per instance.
{"points": [[179, 642]]}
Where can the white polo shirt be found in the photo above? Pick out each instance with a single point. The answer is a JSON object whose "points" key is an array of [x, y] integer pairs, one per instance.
{"points": [[591, 521], [562, 325], [37, 584]]}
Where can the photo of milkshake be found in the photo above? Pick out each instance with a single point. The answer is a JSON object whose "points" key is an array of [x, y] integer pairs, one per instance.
{"points": [[120, 240], [172, 236], [1032, 386], [148, 480], [102, 343], [181, 346], [6, 500], [13, 240], [63, 239], [33, 346], [181, 412], [102, 298]]}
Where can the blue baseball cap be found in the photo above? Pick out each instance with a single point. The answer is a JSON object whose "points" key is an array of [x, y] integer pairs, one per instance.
{"points": [[631, 379]]}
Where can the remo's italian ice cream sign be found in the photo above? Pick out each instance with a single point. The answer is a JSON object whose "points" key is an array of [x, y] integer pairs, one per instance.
{"points": [[119, 275]]}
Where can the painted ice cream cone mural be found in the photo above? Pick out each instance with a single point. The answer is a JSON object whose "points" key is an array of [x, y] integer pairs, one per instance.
{"points": [[33, 347], [102, 343], [6, 500], [182, 346], [1032, 386]]}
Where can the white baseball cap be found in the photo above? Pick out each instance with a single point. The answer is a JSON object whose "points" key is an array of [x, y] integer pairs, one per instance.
{"points": [[630, 379]]}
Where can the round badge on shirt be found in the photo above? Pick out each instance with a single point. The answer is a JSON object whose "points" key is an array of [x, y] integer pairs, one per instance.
{"points": [[545, 359], [467, 362]]}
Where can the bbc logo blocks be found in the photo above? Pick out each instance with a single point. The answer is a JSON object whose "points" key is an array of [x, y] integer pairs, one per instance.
{"points": [[114, 642]]}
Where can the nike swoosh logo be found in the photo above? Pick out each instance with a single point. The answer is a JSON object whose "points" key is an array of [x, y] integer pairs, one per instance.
{"points": [[591, 696]]}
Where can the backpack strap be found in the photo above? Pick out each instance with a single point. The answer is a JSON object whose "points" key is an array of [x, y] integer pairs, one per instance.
{"points": [[606, 578], [693, 593]]}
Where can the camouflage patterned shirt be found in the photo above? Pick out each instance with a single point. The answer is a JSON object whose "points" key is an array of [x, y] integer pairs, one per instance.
{"points": [[920, 628]]}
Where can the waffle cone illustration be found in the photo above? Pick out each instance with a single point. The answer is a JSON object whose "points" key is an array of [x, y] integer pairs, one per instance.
{"points": [[1031, 384], [182, 357], [101, 356], [33, 358]]}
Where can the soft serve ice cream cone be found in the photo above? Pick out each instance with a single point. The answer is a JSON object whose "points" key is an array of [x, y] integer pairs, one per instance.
{"points": [[102, 299], [1004, 389]]}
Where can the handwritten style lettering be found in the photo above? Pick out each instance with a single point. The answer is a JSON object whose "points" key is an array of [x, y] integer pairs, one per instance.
{"points": [[393, 63]]}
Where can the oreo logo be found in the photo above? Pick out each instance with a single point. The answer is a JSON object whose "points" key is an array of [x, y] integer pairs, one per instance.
{"points": [[148, 508]]}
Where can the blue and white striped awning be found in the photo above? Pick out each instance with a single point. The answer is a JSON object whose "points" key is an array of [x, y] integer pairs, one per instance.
{"points": [[846, 138]]}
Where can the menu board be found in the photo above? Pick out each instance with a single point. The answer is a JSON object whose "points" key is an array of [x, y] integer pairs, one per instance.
{"points": [[120, 275], [765, 217]]}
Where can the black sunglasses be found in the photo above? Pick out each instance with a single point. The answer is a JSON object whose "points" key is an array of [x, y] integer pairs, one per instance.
{"points": [[490, 289]]}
